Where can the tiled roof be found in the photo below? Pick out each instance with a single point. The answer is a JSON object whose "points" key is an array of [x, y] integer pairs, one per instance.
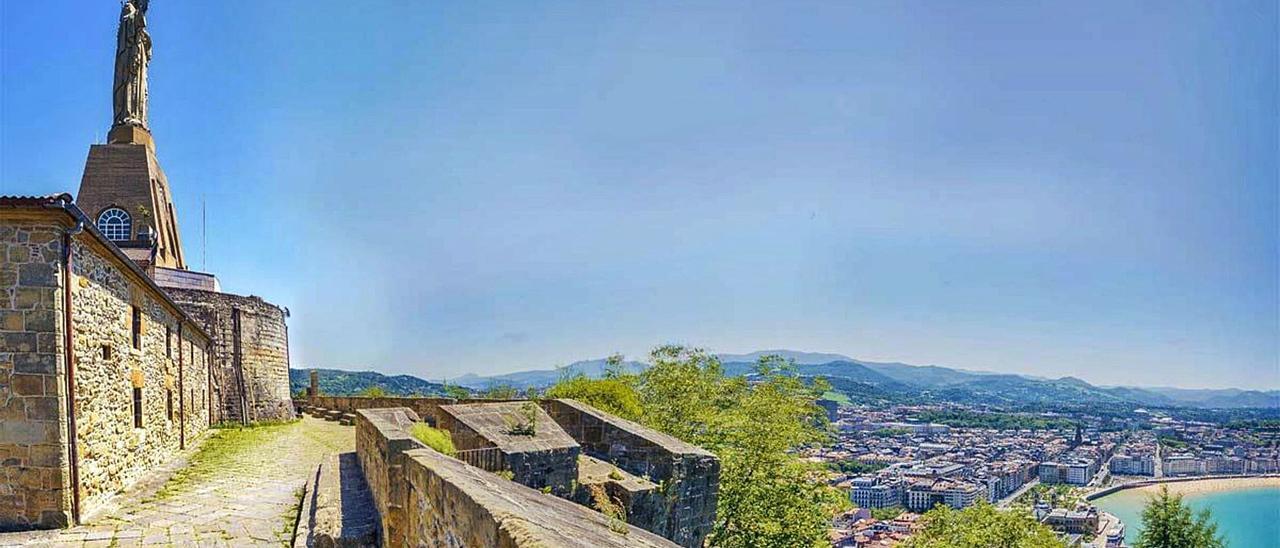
{"points": [[34, 200]]}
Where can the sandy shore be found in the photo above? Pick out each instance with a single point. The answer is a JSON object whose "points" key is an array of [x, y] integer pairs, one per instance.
{"points": [[1211, 485]]}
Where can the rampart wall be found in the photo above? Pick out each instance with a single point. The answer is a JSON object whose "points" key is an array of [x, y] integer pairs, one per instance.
{"points": [[425, 498], [250, 353], [428, 409], [690, 474]]}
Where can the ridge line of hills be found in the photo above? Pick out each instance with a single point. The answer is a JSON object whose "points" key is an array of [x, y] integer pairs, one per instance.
{"points": [[858, 380]]}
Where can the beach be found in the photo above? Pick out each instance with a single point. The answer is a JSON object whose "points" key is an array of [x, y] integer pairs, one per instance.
{"points": [[1244, 508], [1196, 486]]}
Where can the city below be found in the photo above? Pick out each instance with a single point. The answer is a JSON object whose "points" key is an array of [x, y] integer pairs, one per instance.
{"points": [[897, 463]]}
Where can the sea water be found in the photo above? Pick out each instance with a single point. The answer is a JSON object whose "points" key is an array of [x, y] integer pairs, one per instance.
{"points": [[1248, 517]]}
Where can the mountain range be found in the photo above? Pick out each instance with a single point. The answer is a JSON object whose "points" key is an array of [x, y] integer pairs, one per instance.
{"points": [[893, 380], [857, 379]]}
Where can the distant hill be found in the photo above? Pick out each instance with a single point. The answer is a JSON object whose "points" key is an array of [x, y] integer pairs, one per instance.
{"points": [[336, 382], [860, 380], [924, 375], [801, 358], [543, 377]]}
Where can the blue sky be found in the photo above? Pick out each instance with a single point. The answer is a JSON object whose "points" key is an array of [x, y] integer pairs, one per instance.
{"points": [[1068, 188]]}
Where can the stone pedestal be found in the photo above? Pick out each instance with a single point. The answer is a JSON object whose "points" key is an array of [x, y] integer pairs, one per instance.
{"points": [[131, 135]]}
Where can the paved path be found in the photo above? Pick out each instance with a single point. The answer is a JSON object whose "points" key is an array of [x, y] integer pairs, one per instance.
{"points": [[242, 488]]}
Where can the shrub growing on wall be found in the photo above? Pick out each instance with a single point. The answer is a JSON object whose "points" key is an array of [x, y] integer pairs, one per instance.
{"points": [[435, 438]]}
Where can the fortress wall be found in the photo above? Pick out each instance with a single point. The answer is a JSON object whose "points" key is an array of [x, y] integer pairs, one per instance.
{"points": [[251, 353], [34, 478], [382, 436], [426, 408], [428, 499], [691, 474]]}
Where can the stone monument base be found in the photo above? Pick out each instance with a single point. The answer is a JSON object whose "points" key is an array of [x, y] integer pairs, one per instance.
{"points": [[130, 135]]}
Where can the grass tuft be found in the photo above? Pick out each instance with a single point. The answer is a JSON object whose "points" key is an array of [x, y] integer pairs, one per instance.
{"points": [[435, 438], [230, 448]]}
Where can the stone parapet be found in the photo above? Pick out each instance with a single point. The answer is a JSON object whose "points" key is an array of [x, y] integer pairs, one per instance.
{"points": [[426, 408], [425, 498], [544, 457], [690, 475], [382, 437], [453, 504]]}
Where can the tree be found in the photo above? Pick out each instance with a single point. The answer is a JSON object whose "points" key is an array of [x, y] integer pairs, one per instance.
{"points": [[981, 526], [456, 392], [500, 392], [768, 495], [1168, 523], [373, 392], [616, 393]]}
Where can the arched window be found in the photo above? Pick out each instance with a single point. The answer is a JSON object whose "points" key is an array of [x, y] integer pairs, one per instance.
{"points": [[115, 224]]}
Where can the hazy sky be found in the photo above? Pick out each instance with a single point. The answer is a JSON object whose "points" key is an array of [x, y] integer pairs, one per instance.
{"points": [[1052, 188]]}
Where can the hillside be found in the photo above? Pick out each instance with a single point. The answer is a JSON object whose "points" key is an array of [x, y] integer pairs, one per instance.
{"points": [[542, 377], [336, 382], [859, 380]]}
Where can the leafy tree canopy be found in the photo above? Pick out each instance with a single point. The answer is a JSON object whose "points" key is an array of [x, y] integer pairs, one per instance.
{"points": [[1169, 523], [981, 526], [768, 495]]}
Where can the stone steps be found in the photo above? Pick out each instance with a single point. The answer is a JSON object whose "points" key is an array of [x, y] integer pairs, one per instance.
{"points": [[337, 507]]}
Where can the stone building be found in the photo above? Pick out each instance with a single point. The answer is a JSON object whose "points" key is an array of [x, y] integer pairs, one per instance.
{"points": [[113, 354], [102, 375], [126, 195]]}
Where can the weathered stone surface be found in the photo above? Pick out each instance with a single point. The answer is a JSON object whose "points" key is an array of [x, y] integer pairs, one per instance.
{"points": [[249, 504], [428, 499], [30, 362], [250, 354], [545, 458], [32, 478], [168, 362], [691, 474], [37, 274], [337, 508], [639, 499]]}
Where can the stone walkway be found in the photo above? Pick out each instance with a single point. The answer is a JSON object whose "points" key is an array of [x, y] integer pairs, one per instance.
{"points": [[242, 489]]}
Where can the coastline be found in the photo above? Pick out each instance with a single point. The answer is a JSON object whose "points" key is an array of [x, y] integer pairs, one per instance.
{"points": [[1192, 485]]}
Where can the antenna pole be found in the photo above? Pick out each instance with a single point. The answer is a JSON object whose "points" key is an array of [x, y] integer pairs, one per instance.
{"points": [[204, 235]]}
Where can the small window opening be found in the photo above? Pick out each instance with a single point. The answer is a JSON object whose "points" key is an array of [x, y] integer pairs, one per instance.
{"points": [[168, 342], [136, 327], [137, 408], [168, 404], [106, 351]]}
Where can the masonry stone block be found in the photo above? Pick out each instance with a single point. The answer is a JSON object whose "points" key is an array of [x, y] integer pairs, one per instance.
{"points": [[44, 364], [38, 274]]}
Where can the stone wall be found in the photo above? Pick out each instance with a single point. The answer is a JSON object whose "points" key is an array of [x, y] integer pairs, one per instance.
{"points": [[429, 499], [34, 487], [546, 458], [168, 364], [690, 475], [39, 468], [426, 408], [250, 353]]}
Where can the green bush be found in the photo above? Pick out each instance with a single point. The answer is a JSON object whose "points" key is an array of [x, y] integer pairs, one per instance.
{"points": [[373, 392], [435, 438]]}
